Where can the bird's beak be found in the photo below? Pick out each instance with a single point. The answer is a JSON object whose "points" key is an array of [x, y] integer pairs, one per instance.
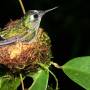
{"points": [[46, 11]]}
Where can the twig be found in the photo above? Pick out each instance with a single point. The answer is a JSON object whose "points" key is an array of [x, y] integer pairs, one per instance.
{"points": [[22, 81], [22, 6]]}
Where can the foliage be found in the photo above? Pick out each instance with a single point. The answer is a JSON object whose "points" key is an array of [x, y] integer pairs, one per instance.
{"points": [[78, 70], [40, 81]]}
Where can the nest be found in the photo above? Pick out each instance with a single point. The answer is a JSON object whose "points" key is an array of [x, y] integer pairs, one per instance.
{"points": [[25, 56]]}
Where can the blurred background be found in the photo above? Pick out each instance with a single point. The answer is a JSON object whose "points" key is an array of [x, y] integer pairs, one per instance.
{"points": [[68, 27]]}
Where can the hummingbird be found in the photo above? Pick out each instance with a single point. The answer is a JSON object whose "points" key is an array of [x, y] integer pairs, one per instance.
{"points": [[24, 29]]}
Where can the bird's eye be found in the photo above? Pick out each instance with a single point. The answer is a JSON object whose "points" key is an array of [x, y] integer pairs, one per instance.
{"points": [[35, 16]]}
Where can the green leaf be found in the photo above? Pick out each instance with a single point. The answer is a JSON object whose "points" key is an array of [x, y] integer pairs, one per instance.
{"points": [[78, 70], [40, 80], [9, 83]]}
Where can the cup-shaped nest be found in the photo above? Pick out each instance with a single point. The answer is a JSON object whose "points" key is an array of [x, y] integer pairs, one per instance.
{"points": [[25, 56]]}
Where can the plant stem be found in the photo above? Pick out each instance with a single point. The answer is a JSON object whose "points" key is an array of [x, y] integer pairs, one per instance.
{"points": [[56, 65], [22, 81], [55, 79], [44, 67], [22, 6]]}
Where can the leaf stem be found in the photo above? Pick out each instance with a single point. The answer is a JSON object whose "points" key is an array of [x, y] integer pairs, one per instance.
{"points": [[56, 65]]}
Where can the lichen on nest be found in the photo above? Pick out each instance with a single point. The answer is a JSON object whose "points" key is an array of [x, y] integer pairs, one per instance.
{"points": [[25, 56]]}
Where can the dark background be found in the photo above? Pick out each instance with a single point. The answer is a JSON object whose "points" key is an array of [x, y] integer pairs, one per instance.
{"points": [[68, 27]]}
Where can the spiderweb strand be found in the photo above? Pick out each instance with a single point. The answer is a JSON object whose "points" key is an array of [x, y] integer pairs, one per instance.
{"points": [[22, 6]]}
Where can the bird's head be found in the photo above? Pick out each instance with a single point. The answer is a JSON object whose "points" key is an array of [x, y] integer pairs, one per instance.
{"points": [[33, 17]]}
